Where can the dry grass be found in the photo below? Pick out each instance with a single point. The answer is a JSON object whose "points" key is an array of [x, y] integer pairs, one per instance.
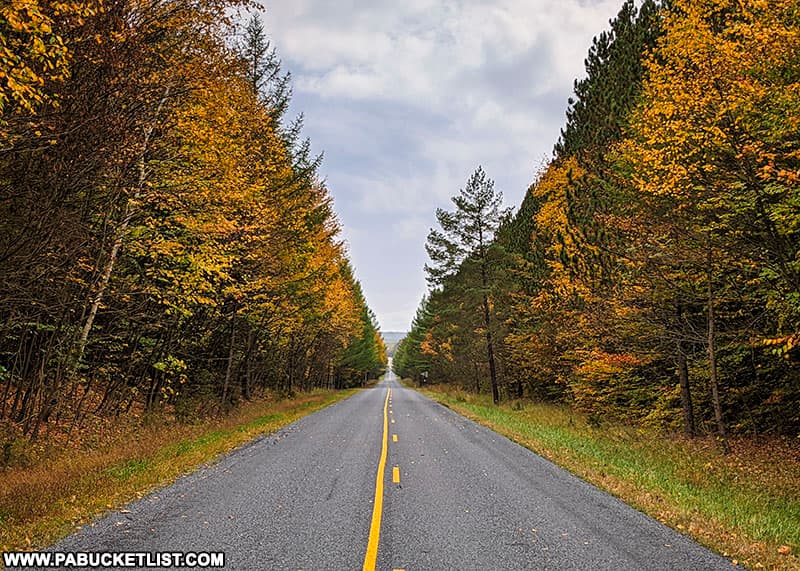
{"points": [[745, 505], [62, 491]]}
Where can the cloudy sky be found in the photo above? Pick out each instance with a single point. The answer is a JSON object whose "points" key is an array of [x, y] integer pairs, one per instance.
{"points": [[406, 98]]}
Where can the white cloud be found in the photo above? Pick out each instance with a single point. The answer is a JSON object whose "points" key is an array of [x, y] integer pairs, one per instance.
{"points": [[407, 98], [410, 228]]}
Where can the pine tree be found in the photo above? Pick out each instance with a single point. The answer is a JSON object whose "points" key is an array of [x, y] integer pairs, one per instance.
{"points": [[260, 57], [465, 240]]}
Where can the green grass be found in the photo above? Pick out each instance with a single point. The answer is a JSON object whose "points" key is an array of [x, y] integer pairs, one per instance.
{"points": [[127, 469], [745, 505], [59, 493]]}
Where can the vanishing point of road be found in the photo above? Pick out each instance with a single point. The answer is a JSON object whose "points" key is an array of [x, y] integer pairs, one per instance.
{"points": [[387, 479]]}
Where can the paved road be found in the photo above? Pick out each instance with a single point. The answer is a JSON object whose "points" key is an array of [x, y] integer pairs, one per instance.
{"points": [[467, 498]]}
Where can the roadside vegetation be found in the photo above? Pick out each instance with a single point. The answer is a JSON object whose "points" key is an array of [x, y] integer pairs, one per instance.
{"points": [[637, 319], [60, 488], [167, 246], [743, 504], [652, 270], [650, 278]]}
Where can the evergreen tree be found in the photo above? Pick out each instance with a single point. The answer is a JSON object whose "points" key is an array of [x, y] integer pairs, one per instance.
{"points": [[465, 240], [409, 360]]}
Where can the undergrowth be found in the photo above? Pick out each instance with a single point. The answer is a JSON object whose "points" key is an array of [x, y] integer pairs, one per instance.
{"points": [[61, 490]]}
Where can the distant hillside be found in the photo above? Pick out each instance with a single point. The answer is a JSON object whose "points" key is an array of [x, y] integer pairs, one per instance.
{"points": [[392, 338]]}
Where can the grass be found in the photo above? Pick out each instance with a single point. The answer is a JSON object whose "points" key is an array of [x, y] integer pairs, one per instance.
{"points": [[56, 494], [744, 505]]}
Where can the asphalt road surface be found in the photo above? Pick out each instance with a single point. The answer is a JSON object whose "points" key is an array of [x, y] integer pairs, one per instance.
{"points": [[454, 496]]}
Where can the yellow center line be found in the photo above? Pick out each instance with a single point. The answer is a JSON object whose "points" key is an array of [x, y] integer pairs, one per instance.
{"points": [[377, 507], [394, 438], [396, 475]]}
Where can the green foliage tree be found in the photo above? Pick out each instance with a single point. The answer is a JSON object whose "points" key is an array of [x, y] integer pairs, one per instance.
{"points": [[464, 242], [650, 272], [166, 244], [409, 360]]}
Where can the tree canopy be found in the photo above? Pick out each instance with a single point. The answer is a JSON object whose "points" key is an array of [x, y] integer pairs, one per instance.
{"points": [[651, 272], [166, 242]]}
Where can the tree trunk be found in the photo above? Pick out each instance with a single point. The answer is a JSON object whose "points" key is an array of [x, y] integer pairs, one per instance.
{"points": [[686, 394], [489, 344], [490, 349], [10, 376], [246, 379], [712, 364], [223, 403], [122, 231], [290, 372]]}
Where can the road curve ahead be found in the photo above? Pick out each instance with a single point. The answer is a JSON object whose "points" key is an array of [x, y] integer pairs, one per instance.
{"points": [[449, 494]]}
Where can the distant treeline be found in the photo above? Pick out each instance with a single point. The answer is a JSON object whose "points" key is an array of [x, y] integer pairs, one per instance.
{"points": [[652, 272], [165, 240]]}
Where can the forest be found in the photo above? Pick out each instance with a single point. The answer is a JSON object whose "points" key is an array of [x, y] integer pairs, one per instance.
{"points": [[167, 244], [652, 272]]}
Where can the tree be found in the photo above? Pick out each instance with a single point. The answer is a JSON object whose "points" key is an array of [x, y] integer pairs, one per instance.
{"points": [[409, 360], [713, 139], [465, 240], [261, 59], [651, 272], [33, 54], [166, 243]]}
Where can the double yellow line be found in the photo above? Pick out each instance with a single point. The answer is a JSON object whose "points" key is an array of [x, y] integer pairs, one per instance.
{"points": [[377, 507]]}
